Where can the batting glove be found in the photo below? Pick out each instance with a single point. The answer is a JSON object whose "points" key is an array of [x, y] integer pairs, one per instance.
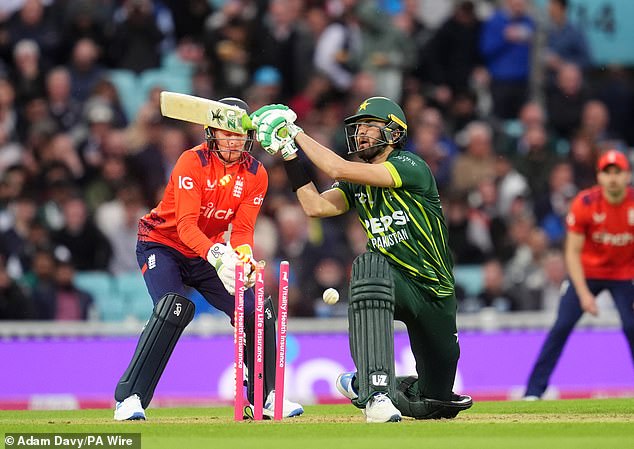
{"points": [[274, 131]]}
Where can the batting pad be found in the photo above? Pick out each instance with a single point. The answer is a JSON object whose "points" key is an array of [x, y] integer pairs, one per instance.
{"points": [[170, 317], [371, 323]]}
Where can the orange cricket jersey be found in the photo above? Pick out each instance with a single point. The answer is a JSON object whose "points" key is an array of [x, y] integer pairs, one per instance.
{"points": [[608, 250], [202, 198]]}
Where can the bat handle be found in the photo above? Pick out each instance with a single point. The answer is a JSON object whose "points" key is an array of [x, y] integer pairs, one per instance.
{"points": [[246, 122]]}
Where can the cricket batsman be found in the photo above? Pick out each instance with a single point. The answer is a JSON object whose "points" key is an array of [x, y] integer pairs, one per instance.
{"points": [[406, 273]]}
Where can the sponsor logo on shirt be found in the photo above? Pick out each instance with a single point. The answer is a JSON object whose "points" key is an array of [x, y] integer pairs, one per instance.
{"points": [[210, 211], [211, 185], [364, 198], [185, 182], [258, 200], [382, 224], [598, 218], [605, 238]]}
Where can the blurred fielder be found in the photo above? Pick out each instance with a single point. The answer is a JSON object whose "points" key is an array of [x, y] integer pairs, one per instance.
{"points": [[600, 256]]}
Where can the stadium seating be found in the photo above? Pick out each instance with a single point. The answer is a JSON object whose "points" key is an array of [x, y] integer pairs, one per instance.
{"points": [[134, 89], [469, 277], [133, 292], [109, 304]]}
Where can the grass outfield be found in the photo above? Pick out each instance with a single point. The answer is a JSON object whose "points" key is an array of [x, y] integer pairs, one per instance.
{"points": [[578, 424]]}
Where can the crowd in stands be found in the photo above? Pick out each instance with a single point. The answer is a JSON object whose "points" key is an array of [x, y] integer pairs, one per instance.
{"points": [[511, 128]]}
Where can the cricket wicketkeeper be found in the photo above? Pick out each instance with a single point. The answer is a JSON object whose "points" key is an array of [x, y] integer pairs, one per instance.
{"points": [[180, 243]]}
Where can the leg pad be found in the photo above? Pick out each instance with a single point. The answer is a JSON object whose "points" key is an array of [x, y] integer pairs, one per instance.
{"points": [[371, 322], [171, 315]]}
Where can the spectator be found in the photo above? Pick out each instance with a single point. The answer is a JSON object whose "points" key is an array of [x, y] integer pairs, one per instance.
{"points": [[65, 302], [525, 270], [14, 302], [554, 268], [477, 162], [40, 282], [189, 19], [106, 93], [87, 246], [552, 206], [566, 100], [510, 184], [506, 43], [33, 23], [536, 159], [153, 165], [100, 123], [63, 108], [103, 186], [118, 221], [566, 43], [281, 41], [226, 43], [85, 70], [8, 112], [464, 235], [616, 92], [338, 48], [454, 52], [296, 247], [84, 19], [495, 293], [583, 156], [387, 53], [595, 123], [14, 245], [28, 74], [136, 39]]}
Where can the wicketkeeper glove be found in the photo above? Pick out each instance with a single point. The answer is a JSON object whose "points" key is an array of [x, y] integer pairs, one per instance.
{"points": [[224, 259]]}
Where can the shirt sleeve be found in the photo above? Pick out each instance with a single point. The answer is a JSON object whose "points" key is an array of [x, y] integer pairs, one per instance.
{"points": [[187, 200], [243, 223], [410, 173], [577, 218], [346, 191]]}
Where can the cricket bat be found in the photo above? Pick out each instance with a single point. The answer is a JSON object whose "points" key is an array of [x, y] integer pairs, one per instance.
{"points": [[205, 112]]}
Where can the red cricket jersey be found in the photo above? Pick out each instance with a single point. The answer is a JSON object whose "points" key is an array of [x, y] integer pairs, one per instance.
{"points": [[608, 250], [201, 199]]}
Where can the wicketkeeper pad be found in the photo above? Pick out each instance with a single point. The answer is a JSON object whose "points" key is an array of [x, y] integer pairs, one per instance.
{"points": [[371, 323], [170, 317]]}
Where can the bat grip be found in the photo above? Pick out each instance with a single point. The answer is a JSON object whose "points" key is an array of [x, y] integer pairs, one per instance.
{"points": [[246, 122]]}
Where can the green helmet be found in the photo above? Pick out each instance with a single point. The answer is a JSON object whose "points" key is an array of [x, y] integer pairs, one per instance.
{"points": [[393, 133]]}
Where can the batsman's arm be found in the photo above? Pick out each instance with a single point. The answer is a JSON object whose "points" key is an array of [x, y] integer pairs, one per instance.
{"points": [[327, 204], [340, 169]]}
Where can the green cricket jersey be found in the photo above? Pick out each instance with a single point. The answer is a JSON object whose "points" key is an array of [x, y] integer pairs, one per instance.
{"points": [[405, 223]]}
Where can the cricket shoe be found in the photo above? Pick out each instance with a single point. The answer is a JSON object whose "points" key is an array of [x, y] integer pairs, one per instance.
{"points": [[289, 410], [129, 409], [380, 409], [345, 385]]}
